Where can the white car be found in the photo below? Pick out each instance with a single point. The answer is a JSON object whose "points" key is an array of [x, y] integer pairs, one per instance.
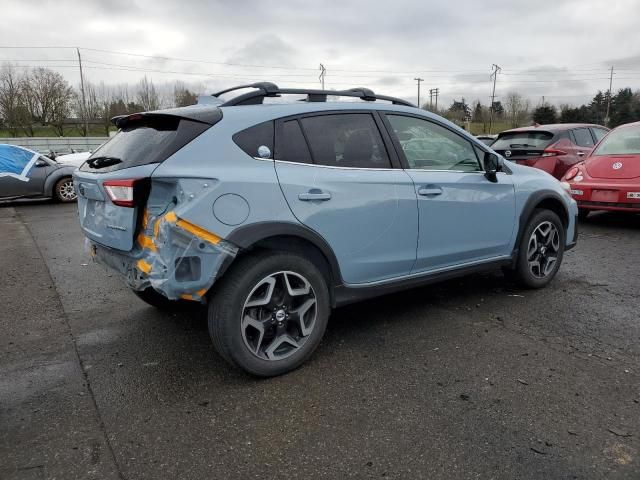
{"points": [[73, 159]]}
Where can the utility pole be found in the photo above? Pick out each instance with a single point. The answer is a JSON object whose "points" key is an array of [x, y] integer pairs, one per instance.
{"points": [[84, 101], [433, 92], [419, 80], [606, 117], [323, 71], [496, 69]]}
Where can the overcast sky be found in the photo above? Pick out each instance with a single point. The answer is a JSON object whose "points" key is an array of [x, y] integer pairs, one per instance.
{"points": [[561, 49]]}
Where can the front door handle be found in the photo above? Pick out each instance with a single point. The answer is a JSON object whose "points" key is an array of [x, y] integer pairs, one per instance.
{"points": [[581, 154], [429, 191], [314, 194]]}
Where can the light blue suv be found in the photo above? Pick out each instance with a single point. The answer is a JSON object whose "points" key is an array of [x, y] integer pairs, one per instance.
{"points": [[273, 214]]}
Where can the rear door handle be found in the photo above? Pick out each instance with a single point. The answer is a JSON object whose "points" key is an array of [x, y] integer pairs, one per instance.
{"points": [[427, 191], [314, 194]]}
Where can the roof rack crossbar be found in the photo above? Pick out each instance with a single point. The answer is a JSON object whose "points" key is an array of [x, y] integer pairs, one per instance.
{"points": [[267, 89]]}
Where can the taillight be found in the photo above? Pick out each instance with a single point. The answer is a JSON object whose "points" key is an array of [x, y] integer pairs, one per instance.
{"points": [[553, 152], [571, 173], [123, 192]]}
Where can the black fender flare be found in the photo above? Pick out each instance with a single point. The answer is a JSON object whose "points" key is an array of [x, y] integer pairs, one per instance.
{"points": [[248, 235], [530, 205]]}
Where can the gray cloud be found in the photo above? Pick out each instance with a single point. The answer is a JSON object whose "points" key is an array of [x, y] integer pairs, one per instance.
{"points": [[557, 48]]}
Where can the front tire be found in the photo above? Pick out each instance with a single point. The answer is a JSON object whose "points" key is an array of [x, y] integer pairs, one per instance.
{"points": [[541, 250], [269, 312], [64, 191]]}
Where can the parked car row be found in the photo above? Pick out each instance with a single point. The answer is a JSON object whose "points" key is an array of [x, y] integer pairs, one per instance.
{"points": [[601, 166]]}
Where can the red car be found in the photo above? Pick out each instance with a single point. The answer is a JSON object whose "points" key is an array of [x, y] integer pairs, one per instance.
{"points": [[552, 148], [609, 178]]}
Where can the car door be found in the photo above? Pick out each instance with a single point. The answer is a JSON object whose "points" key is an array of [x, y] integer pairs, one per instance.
{"points": [[464, 218], [338, 179]]}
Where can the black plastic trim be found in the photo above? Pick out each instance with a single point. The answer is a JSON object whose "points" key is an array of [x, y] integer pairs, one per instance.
{"points": [[198, 113], [532, 202], [574, 242], [344, 295], [267, 89], [248, 235]]}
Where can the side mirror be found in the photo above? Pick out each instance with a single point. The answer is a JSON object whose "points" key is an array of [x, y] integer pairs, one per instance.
{"points": [[491, 166]]}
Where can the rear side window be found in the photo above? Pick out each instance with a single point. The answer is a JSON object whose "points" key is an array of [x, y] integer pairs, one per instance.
{"points": [[149, 139], [583, 137], [346, 140], [252, 138], [293, 146], [523, 140], [599, 133]]}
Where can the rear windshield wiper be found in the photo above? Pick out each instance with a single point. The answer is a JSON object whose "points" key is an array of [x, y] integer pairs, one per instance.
{"points": [[102, 162]]}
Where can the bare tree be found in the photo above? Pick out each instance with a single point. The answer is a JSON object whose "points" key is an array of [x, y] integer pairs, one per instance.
{"points": [[517, 108], [10, 97], [147, 95], [182, 97]]}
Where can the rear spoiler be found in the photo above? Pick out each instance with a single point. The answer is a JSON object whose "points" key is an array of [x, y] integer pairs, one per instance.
{"points": [[209, 114]]}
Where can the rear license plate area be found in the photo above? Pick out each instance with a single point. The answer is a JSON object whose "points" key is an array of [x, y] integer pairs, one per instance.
{"points": [[604, 196]]}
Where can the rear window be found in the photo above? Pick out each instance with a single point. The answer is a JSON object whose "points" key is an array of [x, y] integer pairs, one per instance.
{"points": [[252, 138], [623, 141], [522, 140], [150, 139]]}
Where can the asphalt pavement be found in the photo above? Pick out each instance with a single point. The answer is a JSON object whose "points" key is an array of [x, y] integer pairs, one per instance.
{"points": [[472, 378]]}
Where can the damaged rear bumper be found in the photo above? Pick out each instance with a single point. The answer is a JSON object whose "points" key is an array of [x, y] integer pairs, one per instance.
{"points": [[175, 257]]}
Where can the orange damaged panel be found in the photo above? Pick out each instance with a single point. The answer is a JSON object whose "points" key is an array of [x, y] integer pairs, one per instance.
{"points": [[171, 217], [198, 231], [146, 242], [144, 266]]}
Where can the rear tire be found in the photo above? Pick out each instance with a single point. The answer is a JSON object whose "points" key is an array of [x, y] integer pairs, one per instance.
{"points": [[64, 191], [268, 314], [541, 250]]}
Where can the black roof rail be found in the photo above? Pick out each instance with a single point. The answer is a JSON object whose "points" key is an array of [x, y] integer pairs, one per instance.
{"points": [[267, 89]]}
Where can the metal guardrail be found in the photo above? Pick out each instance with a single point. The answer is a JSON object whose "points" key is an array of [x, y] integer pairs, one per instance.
{"points": [[59, 145]]}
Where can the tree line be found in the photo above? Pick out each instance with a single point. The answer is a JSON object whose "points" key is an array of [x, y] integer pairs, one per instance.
{"points": [[41, 97], [516, 111]]}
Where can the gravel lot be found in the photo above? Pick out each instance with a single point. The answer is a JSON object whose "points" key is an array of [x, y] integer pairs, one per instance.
{"points": [[472, 378]]}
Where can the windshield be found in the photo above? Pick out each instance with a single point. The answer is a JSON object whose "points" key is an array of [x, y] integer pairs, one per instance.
{"points": [[513, 140], [623, 141]]}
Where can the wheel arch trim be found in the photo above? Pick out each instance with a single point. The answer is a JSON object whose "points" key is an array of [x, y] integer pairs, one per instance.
{"points": [[249, 235]]}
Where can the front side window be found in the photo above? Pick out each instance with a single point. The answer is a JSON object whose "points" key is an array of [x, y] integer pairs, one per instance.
{"points": [[429, 146], [623, 141], [345, 140], [583, 137]]}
